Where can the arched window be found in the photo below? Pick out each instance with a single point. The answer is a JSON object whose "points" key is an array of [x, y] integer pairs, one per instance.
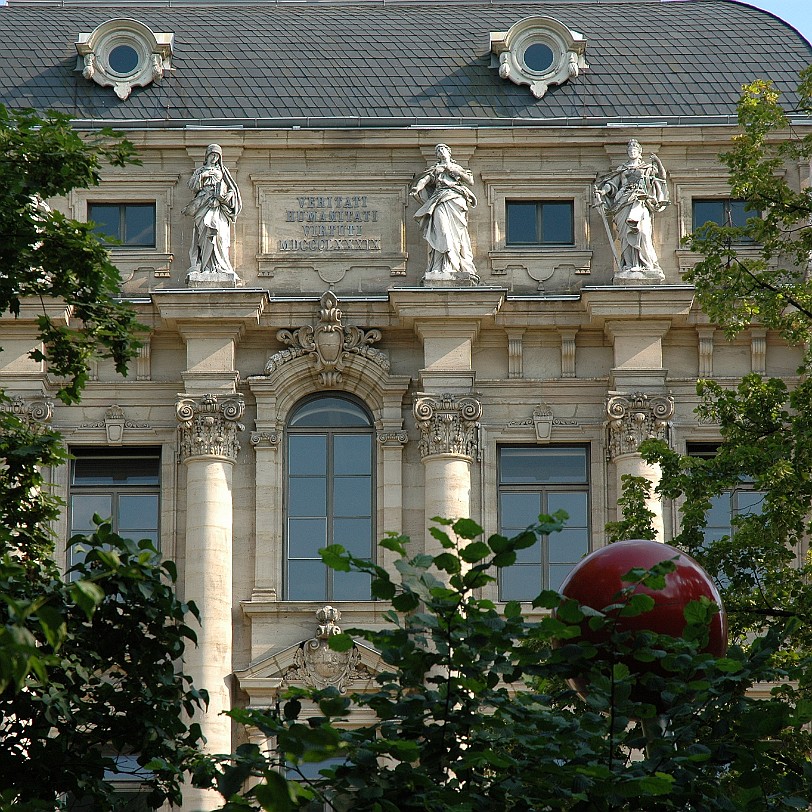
{"points": [[329, 496]]}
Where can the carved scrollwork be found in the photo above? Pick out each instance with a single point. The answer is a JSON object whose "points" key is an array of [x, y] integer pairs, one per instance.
{"points": [[208, 426], [36, 413], [315, 664], [636, 417], [448, 425], [393, 438], [267, 439], [329, 344]]}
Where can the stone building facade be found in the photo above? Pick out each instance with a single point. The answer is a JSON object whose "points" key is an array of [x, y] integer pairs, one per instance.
{"points": [[395, 261]]}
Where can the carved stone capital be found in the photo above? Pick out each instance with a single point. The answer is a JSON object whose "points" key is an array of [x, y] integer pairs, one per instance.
{"points": [[329, 344], [448, 424], [265, 439], [635, 417], [208, 426], [316, 665], [393, 438]]}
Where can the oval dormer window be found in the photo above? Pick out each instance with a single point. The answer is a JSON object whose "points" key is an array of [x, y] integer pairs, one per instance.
{"points": [[123, 59]]}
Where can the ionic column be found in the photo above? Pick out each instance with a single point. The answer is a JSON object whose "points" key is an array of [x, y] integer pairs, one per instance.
{"points": [[632, 418], [449, 444], [208, 428]]}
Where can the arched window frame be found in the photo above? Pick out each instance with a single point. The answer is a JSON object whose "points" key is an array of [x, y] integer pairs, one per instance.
{"points": [[329, 496]]}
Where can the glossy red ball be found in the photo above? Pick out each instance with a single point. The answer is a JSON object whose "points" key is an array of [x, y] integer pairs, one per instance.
{"points": [[597, 579]]}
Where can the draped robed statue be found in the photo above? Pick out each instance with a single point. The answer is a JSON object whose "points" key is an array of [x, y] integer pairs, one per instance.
{"points": [[214, 208], [443, 217], [631, 195]]}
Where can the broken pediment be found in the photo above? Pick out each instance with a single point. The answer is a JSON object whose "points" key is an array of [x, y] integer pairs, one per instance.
{"points": [[312, 664]]}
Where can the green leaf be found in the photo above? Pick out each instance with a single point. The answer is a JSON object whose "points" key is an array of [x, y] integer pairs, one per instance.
{"points": [[637, 604], [475, 551], [52, 622], [448, 562], [340, 642], [335, 557], [467, 529], [87, 596], [273, 795]]}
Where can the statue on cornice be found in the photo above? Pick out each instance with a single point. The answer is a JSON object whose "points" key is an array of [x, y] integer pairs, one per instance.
{"points": [[443, 219], [631, 194], [215, 206]]}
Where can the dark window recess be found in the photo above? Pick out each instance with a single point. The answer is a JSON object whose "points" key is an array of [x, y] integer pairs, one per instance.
{"points": [[535, 480], [127, 224], [722, 212], [540, 222], [116, 485]]}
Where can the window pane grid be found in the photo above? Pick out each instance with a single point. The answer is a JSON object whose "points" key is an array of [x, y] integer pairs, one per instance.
{"points": [[118, 488], [537, 480], [539, 222], [329, 498], [130, 224]]}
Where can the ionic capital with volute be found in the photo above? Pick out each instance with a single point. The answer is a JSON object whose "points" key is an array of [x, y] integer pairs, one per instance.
{"points": [[448, 424], [633, 418], [208, 426]]}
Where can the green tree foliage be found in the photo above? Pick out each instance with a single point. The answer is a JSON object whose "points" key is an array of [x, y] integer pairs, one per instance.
{"points": [[472, 710], [757, 274], [92, 675], [87, 666]]}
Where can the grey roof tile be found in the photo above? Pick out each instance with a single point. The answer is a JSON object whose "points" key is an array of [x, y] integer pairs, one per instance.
{"points": [[343, 60]]}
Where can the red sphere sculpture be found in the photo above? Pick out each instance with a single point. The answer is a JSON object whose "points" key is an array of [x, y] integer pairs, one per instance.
{"points": [[597, 579]]}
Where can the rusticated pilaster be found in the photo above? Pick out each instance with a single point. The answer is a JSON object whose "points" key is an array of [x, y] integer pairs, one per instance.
{"points": [[635, 417], [208, 426], [448, 424]]}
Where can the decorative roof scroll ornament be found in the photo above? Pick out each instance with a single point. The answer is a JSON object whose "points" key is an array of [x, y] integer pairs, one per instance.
{"points": [[448, 425], [208, 427], [315, 664], [636, 417], [329, 344]]}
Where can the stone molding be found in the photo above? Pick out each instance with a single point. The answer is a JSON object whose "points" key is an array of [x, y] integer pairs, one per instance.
{"points": [[316, 665], [208, 426], [635, 417], [448, 424], [329, 344]]}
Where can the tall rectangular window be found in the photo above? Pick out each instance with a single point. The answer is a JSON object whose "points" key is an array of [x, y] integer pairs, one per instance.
{"points": [[535, 480], [539, 222], [743, 500], [130, 224], [722, 212], [329, 497], [121, 485]]}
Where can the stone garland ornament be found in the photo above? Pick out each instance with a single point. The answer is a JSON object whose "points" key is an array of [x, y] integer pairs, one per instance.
{"points": [[316, 665], [630, 195], [448, 425], [636, 417], [329, 344], [208, 427]]}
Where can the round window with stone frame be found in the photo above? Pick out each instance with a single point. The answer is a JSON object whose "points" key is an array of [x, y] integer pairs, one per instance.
{"points": [[123, 56]]}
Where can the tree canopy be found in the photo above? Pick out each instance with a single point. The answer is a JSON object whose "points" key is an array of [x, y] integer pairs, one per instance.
{"points": [[88, 663]]}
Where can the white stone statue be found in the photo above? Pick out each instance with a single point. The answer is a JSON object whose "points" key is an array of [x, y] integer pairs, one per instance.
{"points": [[215, 206], [630, 195], [443, 219]]}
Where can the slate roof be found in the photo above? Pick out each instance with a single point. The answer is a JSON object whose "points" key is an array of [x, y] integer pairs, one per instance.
{"points": [[370, 63]]}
